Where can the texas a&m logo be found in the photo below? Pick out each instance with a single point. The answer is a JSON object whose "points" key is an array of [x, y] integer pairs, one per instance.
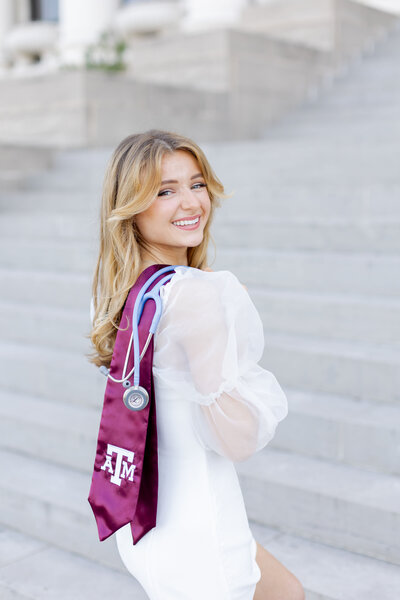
{"points": [[122, 468]]}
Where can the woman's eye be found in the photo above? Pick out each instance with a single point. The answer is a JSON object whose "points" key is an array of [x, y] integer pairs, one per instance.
{"points": [[164, 192]]}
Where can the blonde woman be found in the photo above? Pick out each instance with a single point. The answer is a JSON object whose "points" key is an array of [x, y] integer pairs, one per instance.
{"points": [[215, 404]]}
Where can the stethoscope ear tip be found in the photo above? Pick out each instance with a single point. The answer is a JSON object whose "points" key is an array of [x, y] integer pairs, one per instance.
{"points": [[103, 369]]}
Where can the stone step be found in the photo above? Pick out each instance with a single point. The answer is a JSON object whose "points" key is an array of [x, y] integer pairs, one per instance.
{"points": [[341, 429], [66, 329], [49, 503], [282, 158], [327, 502], [365, 94], [66, 226], [328, 573], [51, 373], [50, 288], [31, 569], [360, 434], [297, 164], [341, 272], [48, 255], [362, 371], [366, 234], [337, 316], [353, 108], [324, 235], [375, 133], [315, 499], [58, 432], [285, 199], [57, 200], [292, 270]]}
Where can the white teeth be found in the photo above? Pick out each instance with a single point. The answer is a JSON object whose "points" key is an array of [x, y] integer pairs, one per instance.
{"points": [[192, 222]]}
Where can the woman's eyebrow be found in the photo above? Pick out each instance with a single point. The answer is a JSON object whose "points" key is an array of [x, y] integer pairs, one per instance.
{"points": [[175, 181]]}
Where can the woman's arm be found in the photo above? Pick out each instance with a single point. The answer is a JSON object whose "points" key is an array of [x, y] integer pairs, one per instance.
{"points": [[238, 403]]}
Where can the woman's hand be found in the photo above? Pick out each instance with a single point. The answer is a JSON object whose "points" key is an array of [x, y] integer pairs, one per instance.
{"points": [[211, 271]]}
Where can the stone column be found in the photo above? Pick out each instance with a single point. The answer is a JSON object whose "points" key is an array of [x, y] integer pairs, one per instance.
{"points": [[81, 23], [206, 14], [6, 23]]}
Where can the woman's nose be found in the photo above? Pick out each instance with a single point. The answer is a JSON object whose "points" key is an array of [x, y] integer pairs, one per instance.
{"points": [[189, 198]]}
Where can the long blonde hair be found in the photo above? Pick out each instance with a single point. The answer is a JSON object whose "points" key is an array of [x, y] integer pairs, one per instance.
{"points": [[132, 181]]}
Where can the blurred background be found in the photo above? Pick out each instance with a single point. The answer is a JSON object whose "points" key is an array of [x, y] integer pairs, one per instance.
{"points": [[297, 105]]}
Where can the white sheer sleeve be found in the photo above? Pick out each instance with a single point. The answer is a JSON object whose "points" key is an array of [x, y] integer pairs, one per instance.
{"points": [[236, 403]]}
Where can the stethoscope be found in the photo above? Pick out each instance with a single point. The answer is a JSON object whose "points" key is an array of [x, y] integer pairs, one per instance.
{"points": [[135, 396]]}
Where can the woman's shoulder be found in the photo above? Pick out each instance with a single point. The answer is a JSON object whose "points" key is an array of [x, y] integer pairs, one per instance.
{"points": [[194, 285]]}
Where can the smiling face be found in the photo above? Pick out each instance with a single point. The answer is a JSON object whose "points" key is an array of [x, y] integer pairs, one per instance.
{"points": [[183, 196]]}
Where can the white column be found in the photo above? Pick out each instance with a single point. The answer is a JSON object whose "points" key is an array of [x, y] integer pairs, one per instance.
{"points": [[81, 23], [6, 22], [206, 14]]}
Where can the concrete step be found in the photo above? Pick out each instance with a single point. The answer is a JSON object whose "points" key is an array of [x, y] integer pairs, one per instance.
{"points": [[283, 159], [343, 506], [362, 371], [344, 272], [230, 227], [314, 200], [51, 373], [367, 95], [35, 570], [48, 255], [328, 573], [31, 569], [51, 226], [58, 432], [49, 288], [66, 329], [333, 316], [366, 164], [80, 255], [18, 162], [76, 200], [320, 501], [292, 270], [49, 502], [348, 111], [337, 428], [59, 512], [284, 200], [377, 235], [336, 316], [341, 429]]}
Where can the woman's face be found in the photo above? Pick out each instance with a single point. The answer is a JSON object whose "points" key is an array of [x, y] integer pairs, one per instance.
{"points": [[183, 196]]}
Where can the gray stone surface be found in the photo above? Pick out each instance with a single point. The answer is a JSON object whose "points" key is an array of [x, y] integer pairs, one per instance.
{"points": [[33, 570], [312, 230], [227, 84]]}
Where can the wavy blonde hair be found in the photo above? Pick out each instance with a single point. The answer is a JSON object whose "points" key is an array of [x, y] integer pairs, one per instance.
{"points": [[131, 183]]}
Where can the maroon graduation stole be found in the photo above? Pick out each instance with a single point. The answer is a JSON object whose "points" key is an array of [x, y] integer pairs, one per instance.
{"points": [[124, 486]]}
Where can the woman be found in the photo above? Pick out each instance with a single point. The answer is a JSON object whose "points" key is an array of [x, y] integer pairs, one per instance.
{"points": [[215, 404]]}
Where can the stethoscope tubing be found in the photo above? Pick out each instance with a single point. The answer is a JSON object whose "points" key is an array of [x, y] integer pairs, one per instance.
{"points": [[141, 299]]}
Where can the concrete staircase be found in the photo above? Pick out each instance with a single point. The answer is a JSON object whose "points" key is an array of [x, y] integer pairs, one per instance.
{"points": [[313, 231]]}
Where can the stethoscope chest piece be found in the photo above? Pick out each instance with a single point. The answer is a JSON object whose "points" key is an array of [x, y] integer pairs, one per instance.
{"points": [[136, 398]]}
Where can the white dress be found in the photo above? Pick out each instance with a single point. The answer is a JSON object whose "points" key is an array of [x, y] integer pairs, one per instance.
{"points": [[215, 405]]}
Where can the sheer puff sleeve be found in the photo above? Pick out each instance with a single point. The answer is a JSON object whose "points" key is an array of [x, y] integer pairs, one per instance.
{"points": [[213, 337]]}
